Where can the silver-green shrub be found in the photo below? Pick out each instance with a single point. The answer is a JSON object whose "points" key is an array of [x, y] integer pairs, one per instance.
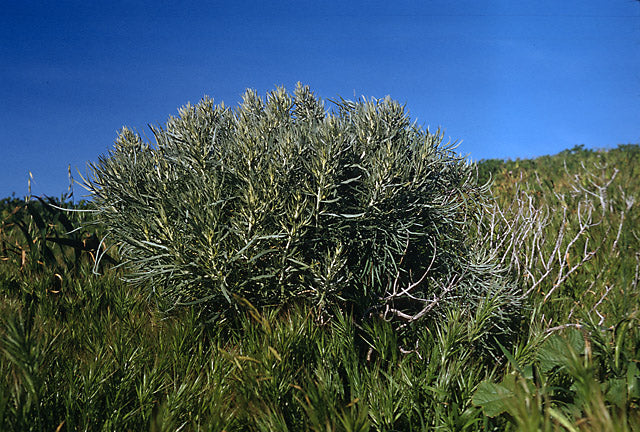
{"points": [[282, 199]]}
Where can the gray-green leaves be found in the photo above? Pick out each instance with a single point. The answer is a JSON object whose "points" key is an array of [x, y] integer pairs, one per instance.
{"points": [[280, 199]]}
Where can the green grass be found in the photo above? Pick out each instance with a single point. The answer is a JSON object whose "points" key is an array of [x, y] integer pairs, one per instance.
{"points": [[85, 351]]}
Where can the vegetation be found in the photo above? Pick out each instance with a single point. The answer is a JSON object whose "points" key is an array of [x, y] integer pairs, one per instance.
{"points": [[573, 243], [82, 349], [279, 202]]}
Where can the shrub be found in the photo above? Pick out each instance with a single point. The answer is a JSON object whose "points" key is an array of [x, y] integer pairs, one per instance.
{"points": [[282, 200]]}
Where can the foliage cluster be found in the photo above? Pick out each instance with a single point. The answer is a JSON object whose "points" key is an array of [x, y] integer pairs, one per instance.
{"points": [[560, 220], [280, 200]]}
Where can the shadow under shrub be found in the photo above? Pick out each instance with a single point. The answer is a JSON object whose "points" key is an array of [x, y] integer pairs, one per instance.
{"points": [[283, 200]]}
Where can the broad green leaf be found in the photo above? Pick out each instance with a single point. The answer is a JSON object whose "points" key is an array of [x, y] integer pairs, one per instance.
{"points": [[493, 398], [617, 392], [554, 351]]}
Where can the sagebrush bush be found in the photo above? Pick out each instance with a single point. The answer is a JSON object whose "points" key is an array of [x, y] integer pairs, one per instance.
{"points": [[283, 199]]}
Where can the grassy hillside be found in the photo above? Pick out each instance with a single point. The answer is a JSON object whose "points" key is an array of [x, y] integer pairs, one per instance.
{"points": [[81, 350]]}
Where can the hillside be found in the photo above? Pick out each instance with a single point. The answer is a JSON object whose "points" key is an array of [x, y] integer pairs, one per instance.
{"points": [[82, 350]]}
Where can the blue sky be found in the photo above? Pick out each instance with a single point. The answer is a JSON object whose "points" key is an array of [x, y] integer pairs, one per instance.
{"points": [[508, 78]]}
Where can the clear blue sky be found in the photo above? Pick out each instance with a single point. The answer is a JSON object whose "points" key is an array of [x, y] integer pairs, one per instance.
{"points": [[509, 78]]}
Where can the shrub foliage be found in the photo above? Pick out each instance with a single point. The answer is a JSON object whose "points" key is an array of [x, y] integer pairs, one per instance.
{"points": [[282, 199]]}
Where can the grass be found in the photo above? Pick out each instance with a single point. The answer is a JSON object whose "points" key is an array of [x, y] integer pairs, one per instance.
{"points": [[96, 356], [86, 351]]}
